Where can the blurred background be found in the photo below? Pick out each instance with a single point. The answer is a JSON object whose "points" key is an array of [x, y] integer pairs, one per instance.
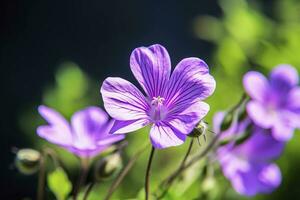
{"points": [[58, 53]]}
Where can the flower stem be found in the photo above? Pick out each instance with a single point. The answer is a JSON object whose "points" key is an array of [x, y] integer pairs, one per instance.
{"points": [[82, 176], [89, 189], [41, 181], [168, 182], [123, 173], [147, 178]]}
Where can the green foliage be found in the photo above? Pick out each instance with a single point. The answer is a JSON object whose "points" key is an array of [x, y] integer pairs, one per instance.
{"points": [[59, 183]]}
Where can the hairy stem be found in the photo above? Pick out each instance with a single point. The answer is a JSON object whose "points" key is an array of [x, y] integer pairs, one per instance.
{"points": [[147, 178], [168, 181], [123, 173]]}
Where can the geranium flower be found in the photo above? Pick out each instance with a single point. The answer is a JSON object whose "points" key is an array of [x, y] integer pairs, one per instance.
{"points": [[275, 102], [86, 136], [249, 166], [172, 104]]}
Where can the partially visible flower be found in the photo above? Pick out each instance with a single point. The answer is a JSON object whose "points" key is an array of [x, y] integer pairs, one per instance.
{"points": [[249, 165], [275, 102], [173, 103], [87, 135]]}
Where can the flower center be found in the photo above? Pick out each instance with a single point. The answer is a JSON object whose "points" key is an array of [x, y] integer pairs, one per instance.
{"points": [[158, 110]]}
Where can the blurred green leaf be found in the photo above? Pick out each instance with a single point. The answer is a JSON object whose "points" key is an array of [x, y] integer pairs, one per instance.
{"points": [[59, 183]]}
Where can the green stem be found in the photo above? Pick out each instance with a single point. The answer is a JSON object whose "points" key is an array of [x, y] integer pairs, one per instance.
{"points": [[41, 179], [148, 173], [123, 173], [168, 182], [89, 189], [83, 174]]}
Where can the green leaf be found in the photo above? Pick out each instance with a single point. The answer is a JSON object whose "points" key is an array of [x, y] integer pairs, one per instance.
{"points": [[59, 183]]}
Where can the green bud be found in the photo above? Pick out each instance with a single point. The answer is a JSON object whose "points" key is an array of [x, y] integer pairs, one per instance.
{"points": [[244, 137], [208, 184], [107, 167], [227, 121], [200, 129], [27, 161]]}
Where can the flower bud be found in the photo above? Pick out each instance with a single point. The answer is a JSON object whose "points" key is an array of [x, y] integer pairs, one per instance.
{"points": [[27, 161], [200, 129], [108, 167]]}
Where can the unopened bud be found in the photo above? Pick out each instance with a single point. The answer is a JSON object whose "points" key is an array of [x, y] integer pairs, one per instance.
{"points": [[27, 161], [108, 167], [200, 129], [208, 184]]}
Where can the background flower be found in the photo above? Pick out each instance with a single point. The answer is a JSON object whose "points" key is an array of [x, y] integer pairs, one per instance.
{"points": [[275, 102], [87, 135], [249, 165]]}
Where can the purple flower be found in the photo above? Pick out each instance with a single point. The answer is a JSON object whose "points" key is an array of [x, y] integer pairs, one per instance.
{"points": [[86, 136], [173, 103], [275, 102], [249, 165]]}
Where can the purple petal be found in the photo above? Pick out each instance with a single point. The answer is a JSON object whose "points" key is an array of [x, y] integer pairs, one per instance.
{"points": [[258, 179], [122, 100], [120, 127], [189, 82], [260, 114], [284, 77], [186, 121], [87, 124], [163, 136], [282, 132], [151, 66], [293, 102], [256, 85], [270, 176], [260, 147], [58, 130], [87, 152]]}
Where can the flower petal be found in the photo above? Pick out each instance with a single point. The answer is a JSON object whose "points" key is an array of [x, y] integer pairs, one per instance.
{"points": [[186, 120], [87, 125], [256, 85], [261, 146], [258, 179], [293, 102], [283, 77], [122, 100], [189, 82], [151, 66], [260, 115], [120, 127], [58, 130], [163, 136], [282, 132]]}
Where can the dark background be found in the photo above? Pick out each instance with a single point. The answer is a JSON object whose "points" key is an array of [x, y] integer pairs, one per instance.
{"points": [[36, 36]]}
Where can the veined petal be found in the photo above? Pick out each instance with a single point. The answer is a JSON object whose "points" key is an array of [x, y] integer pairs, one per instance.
{"points": [[260, 115], [151, 66], [256, 85], [283, 77], [186, 120], [163, 136], [122, 100], [120, 127], [190, 81], [88, 125], [58, 131]]}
